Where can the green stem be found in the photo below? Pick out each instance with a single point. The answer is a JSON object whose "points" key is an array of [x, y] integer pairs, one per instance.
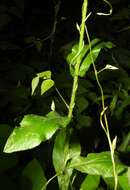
{"points": [[81, 41]]}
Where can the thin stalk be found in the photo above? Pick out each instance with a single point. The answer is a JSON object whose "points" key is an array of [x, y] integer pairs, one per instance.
{"points": [[77, 66], [103, 114]]}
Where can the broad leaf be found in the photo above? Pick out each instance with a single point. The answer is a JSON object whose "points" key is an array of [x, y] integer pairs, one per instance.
{"points": [[33, 130], [96, 164], [64, 150], [35, 174], [46, 85], [91, 182], [85, 56]]}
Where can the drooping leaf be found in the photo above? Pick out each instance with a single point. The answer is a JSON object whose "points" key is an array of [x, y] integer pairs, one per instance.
{"points": [[46, 85], [91, 182], [33, 130], [96, 164], [64, 150], [35, 82], [34, 172]]}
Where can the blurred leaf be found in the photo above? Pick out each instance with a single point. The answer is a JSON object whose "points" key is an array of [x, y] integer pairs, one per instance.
{"points": [[125, 143], [4, 20], [91, 182], [84, 121], [81, 104], [46, 85], [33, 130], [35, 173], [122, 107], [96, 164], [113, 103], [29, 39], [38, 44], [35, 82]]}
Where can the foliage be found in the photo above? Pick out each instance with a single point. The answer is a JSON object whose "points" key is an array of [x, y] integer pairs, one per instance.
{"points": [[56, 144]]}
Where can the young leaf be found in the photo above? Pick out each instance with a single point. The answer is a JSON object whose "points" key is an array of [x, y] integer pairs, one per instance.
{"points": [[35, 173], [91, 182], [96, 164], [44, 75], [46, 85], [33, 130], [35, 82]]}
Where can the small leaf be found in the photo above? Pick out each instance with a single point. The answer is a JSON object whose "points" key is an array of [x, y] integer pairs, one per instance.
{"points": [[35, 173], [44, 75], [35, 82], [53, 105], [96, 164], [113, 103], [46, 85], [111, 67], [33, 130], [91, 182]]}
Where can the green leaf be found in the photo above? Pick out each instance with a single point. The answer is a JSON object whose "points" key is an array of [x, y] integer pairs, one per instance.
{"points": [[65, 148], [96, 48], [44, 75], [96, 164], [35, 82], [35, 173], [85, 55], [81, 104], [91, 182], [33, 130], [113, 103], [84, 121], [124, 180], [46, 85]]}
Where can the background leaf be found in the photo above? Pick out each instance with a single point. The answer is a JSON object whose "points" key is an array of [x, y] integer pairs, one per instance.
{"points": [[35, 173]]}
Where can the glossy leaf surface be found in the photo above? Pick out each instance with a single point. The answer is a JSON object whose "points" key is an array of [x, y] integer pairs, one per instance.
{"points": [[33, 130], [96, 164]]}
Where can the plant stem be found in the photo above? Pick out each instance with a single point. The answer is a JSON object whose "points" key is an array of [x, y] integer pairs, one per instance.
{"points": [[103, 114], [78, 61]]}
